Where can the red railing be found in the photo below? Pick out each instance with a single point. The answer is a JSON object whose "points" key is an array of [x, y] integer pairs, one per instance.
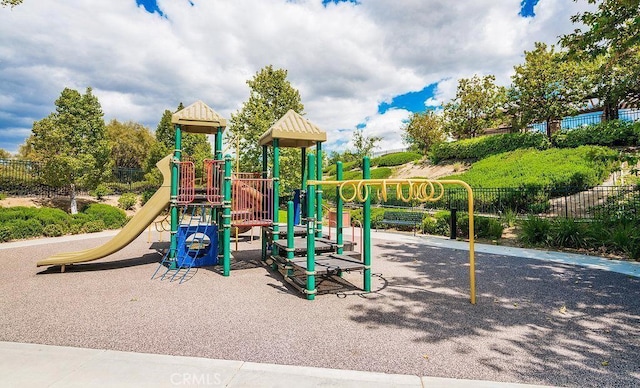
{"points": [[187, 182], [214, 176], [252, 202]]}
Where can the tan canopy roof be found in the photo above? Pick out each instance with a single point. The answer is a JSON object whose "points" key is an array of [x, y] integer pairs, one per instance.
{"points": [[199, 118], [293, 130]]}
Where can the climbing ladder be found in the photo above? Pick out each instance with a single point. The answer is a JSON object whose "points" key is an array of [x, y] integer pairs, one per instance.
{"points": [[197, 244]]}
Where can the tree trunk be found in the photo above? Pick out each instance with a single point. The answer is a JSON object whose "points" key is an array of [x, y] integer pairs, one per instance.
{"points": [[610, 111], [74, 203]]}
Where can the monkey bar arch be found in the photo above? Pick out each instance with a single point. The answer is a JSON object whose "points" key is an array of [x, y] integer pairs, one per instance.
{"points": [[420, 190]]}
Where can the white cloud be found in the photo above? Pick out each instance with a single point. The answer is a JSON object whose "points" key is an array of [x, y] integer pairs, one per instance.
{"points": [[344, 59]]}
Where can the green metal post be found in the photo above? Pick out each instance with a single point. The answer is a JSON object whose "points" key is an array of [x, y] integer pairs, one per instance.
{"points": [[226, 218], [264, 176], [311, 242], [303, 185], [366, 227], [319, 190], [276, 193], [175, 171], [218, 148], [216, 214], [339, 211], [290, 222]]}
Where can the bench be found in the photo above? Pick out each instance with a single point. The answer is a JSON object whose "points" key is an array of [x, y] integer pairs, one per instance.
{"points": [[412, 219]]}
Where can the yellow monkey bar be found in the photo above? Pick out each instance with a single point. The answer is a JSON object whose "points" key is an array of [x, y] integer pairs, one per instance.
{"points": [[421, 190]]}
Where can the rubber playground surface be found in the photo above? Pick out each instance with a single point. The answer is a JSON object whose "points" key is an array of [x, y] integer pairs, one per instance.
{"points": [[535, 321]]}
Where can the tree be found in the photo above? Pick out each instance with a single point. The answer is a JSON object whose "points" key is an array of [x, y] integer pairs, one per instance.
{"points": [[364, 145], [71, 143], [423, 130], [129, 143], [11, 3], [612, 41], [4, 154], [476, 107], [546, 87], [271, 96]]}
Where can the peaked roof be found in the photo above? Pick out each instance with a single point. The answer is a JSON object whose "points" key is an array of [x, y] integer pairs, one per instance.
{"points": [[198, 118], [293, 130]]}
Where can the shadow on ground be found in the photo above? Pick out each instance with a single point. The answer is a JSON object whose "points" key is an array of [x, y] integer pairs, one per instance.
{"points": [[562, 324]]}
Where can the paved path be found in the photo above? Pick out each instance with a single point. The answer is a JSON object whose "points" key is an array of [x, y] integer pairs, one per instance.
{"points": [[542, 318]]}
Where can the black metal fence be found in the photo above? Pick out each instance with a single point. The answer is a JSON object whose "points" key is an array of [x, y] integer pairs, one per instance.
{"points": [[25, 178], [567, 202]]}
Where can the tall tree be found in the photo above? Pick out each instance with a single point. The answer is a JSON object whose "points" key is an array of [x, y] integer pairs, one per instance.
{"points": [[71, 143], [4, 154], [476, 107], [612, 41], [11, 3], [270, 97], [423, 130], [364, 145], [129, 143], [547, 87]]}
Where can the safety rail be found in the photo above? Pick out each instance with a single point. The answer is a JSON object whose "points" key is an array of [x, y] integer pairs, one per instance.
{"points": [[251, 202], [214, 176], [187, 186]]}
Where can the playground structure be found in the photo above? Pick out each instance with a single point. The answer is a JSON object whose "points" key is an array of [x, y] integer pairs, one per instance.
{"points": [[202, 217]]}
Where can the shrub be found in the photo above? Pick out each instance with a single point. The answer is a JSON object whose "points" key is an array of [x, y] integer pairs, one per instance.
{"points": [[568, 233], [395, 159], [50, 216], [53, 230], [608, 133], [101, 191], [535, 231], [127, 201], [146, 196], [112, 217], [3, 196], [5, 233], [94, 226], [25, 228], [377, 214], [484, 227], [481, 147]]}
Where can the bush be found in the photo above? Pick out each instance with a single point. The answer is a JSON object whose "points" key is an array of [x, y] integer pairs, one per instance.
{"points": [[127, 201], [112, 217], [94, 226], [438, 224], [535, 231], [5, 233], [568, 233], [377, 213], [481, 147], [53, 230], [101, 191], [146, 196], [396, 159], [608, 133], [25, 228], [484, 227]]}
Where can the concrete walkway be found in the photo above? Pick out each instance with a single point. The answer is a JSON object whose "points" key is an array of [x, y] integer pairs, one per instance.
{"points": [[32, 365]]}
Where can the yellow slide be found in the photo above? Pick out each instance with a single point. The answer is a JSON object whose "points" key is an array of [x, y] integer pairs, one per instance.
{"points": [[143, 218]]}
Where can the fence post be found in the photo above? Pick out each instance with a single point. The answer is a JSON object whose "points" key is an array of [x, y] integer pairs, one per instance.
{"points": [[453, 225]]}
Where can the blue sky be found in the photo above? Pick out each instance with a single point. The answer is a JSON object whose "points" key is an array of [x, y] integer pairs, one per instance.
{"points": [[364, 64]]}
